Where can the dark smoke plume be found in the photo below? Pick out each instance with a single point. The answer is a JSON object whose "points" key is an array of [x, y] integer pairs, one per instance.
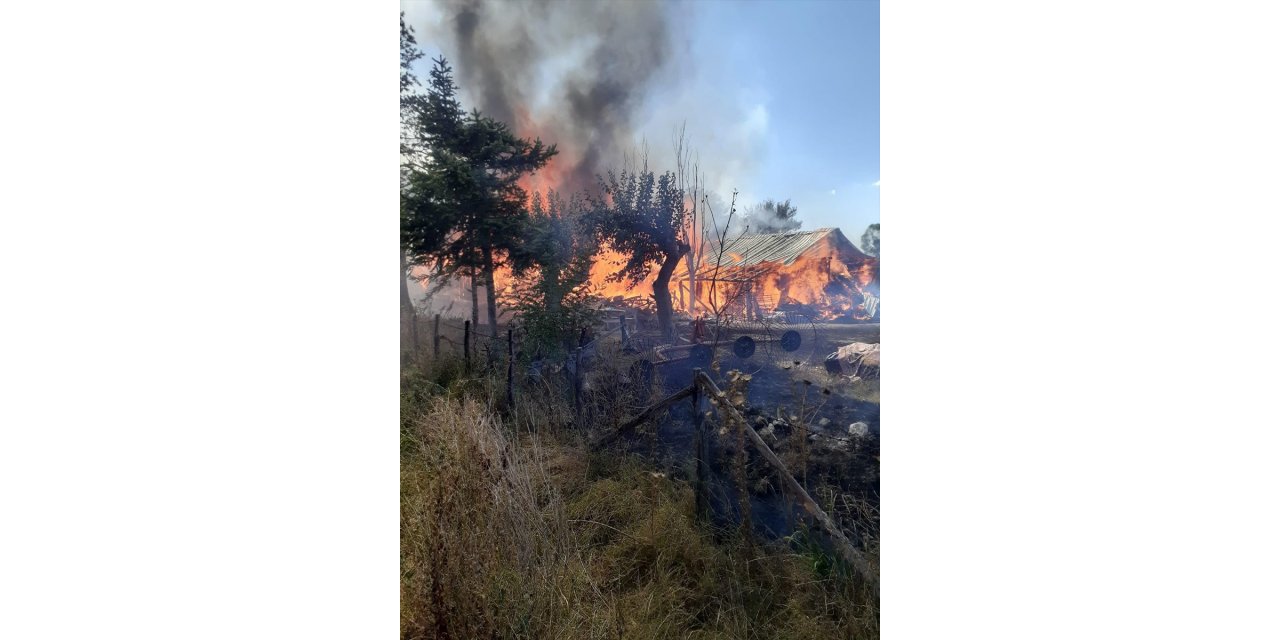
{"points": [[571, 72]]}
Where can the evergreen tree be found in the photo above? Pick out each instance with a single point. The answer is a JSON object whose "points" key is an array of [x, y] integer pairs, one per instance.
{"points": [[462, 208], [409, 104]]}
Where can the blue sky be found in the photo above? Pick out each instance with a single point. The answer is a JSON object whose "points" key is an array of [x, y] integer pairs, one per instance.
{"points": [[780, 99], [816, 66]]}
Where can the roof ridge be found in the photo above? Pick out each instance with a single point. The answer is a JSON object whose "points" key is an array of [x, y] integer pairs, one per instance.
{"points": [[787, 233]]}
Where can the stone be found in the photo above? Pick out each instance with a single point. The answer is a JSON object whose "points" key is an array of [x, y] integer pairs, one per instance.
{"points": [[859, 429]]}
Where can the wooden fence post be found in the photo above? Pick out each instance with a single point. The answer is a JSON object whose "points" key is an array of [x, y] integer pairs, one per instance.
{"points": [[466, 344], [700, 461], [435, 339]]}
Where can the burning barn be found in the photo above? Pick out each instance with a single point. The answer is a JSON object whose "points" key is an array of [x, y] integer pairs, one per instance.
{"points": [[817, 274]]}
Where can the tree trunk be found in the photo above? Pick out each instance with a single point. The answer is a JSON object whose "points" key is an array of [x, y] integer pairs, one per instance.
{"points": [[662, 296], [691, 266], [554, 299], [475, 301], [490, 295], [407, 314]]}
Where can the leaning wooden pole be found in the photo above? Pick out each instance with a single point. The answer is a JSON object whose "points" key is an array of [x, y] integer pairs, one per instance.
{"points": [[843, 546], [647, 414]]}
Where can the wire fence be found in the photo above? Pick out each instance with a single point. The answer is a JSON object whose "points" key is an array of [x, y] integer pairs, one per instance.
{"points": [[440, 337]]}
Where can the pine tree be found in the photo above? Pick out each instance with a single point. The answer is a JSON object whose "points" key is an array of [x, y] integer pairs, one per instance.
{"points": [[462, 209]]}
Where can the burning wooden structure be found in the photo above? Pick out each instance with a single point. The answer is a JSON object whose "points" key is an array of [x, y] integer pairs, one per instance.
{"points": [[819, 274]]}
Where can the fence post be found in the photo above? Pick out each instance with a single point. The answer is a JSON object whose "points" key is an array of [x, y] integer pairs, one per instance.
{"points": [[701, 466], [511, 370], [466, 344], [622, 324], [435, 339]]}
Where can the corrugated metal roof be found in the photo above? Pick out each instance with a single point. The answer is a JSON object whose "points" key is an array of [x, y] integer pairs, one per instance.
{"points": [[779, 248]]}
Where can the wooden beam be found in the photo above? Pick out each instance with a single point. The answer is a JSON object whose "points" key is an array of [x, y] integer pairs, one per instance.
{"points": [[644, 415]]}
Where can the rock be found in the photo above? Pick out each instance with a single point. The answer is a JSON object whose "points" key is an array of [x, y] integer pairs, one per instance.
{"points": [[859, 429], [824, 422]]}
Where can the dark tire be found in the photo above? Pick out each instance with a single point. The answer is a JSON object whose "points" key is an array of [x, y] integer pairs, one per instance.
{"points": [[790, 340], [744, 347]]}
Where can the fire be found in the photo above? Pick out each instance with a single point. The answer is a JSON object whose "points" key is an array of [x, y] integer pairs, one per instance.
{"points": [[825, 287], [830, 286], [558, 174], [551, 176], [610, 262], [822, 289]]}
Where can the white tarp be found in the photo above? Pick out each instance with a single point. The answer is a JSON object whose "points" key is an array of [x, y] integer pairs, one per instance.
{"points": [[856, 353], [858, 359]]}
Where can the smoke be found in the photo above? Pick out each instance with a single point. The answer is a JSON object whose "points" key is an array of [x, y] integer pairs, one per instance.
{"points": [[771, 216], [604, 82], [768, 216], [575, 74]]}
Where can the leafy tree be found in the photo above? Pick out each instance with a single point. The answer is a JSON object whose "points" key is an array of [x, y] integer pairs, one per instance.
{"points": [[871, 240], [642, 216], [462, 208], [552, 291]]}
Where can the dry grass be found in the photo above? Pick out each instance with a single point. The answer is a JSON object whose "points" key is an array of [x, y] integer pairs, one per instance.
{"points": [[510, 529], [479, 532]]}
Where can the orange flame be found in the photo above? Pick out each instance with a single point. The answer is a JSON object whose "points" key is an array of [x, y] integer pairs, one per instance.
{"points": [[827, 287]]}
